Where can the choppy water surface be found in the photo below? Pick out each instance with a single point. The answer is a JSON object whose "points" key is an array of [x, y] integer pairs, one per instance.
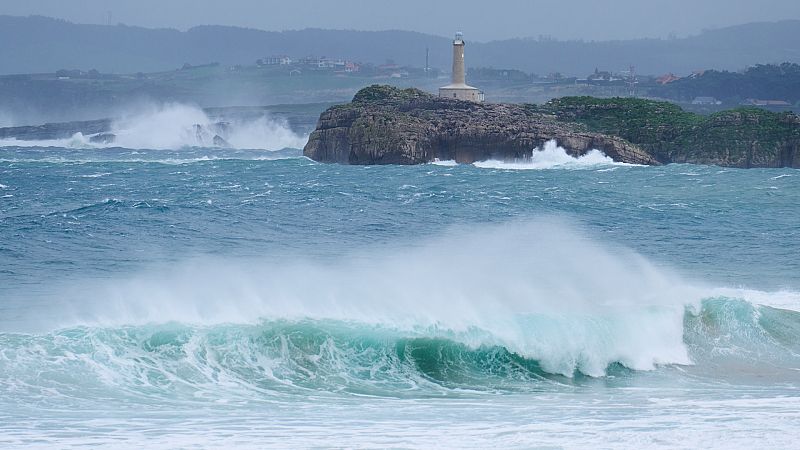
{"points": [[213, 298]]}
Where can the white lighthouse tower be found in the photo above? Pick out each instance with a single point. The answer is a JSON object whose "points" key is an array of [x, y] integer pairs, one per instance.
{"points": [[458, 88]]}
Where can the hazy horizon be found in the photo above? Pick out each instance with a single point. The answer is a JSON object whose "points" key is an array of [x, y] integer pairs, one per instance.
{"points": [[567, 20]]}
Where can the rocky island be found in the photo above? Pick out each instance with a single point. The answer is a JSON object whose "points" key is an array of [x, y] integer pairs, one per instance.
{"points": [[387, 125]]}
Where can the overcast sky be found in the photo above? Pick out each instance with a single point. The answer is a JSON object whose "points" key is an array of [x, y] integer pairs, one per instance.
{"points": [[479, 19]]}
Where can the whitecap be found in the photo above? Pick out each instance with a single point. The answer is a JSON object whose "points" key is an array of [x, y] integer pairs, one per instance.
{"points": [[176, 126], [552, 156]]}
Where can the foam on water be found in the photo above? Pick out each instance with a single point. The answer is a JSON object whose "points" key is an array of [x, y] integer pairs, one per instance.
{"points": [[174, 126], [541, 289], [777, 299], [76, 141], [552, 157]]}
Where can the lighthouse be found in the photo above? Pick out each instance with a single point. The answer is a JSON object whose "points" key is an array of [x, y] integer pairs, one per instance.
{"points": [[458, 88]]}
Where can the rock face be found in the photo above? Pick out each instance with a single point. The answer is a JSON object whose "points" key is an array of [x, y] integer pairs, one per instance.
{"points": [[742, 137], [386, 125]]}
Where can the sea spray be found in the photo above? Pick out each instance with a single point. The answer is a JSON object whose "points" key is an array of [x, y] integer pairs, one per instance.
{"points": [[551, 156], [178, 363], [540, 288], [174, 126], [76, 141], [160, 127]]}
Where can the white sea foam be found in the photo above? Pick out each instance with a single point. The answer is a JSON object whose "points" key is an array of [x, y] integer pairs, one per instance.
{"points": [[552, 157], [96, 175], [784, 299], [265, 133], [174, 126], [623, 419], [78, 140], [542, 289]]}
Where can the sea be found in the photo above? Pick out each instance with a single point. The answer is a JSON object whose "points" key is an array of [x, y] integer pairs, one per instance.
{"points": [[160, 293]]}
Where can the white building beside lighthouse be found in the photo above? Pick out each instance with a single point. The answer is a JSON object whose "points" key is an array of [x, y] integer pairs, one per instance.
{"points": [[458, 88]]}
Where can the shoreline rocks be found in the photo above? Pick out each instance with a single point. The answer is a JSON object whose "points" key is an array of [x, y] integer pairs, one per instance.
{"points": [[386, 125]]}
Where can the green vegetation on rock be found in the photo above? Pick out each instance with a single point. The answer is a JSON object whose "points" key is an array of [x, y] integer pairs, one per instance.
{"points": [[379, 93], [742, 137]]}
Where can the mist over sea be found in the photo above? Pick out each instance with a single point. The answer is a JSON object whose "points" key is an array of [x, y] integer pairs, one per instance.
{"points": [[159, 293]]}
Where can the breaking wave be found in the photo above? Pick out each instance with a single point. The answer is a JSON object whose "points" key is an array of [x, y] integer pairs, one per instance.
{"points": [[501, 308], [552, 156], [181, 362], [176, 126], [76, 141], [447, 163]]}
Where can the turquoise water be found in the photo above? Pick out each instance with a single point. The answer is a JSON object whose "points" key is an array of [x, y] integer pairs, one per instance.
{"points": [[212, 298]]}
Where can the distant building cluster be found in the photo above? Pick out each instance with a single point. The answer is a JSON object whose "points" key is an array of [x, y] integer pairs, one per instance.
{"points": [[712, 101], [762, 103], [604, 78], [706, 101], [65, 74], [310, 63], [287, 65]]}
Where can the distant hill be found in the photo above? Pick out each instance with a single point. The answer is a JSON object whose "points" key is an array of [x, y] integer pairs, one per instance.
{"points": [[760, 82], [43, 45]]}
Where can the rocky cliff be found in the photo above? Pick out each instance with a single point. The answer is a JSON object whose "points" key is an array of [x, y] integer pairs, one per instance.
{"points": [[743, 137], [386, 125]]}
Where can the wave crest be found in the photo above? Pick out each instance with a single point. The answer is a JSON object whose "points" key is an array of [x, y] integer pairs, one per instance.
{"points": [[178, 362], [525, 287], [176, 126], [552, 156]]}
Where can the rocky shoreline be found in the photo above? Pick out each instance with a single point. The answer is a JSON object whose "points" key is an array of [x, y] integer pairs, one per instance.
{"points": [[387, 125]]}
